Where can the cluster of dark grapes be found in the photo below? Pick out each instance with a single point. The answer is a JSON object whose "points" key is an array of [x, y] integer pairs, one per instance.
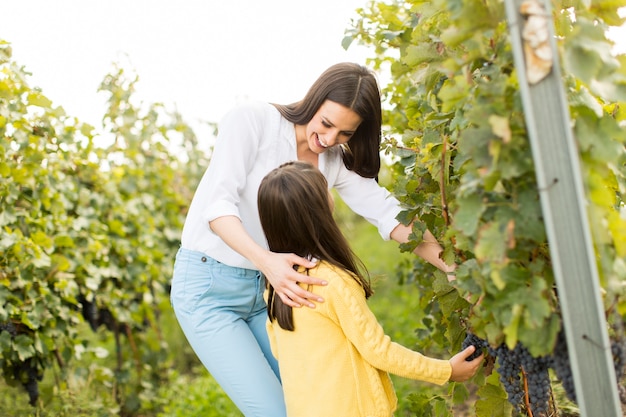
{"points": [[537, 380], [89, 311], [510, 371], [102, 316], [26, 372], [512, 363], [29, 374], [477, 342], [8, 327], [95, 316], [619, 358], [560, 362]]}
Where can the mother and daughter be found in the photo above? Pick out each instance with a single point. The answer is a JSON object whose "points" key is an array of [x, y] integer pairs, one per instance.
{"points": [[239, 239]]}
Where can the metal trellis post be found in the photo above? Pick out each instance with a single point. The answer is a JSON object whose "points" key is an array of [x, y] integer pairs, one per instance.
{"points": [[563, 205]]}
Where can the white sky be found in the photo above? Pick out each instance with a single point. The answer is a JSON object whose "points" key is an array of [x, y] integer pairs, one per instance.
{"points": [[202, 56]]}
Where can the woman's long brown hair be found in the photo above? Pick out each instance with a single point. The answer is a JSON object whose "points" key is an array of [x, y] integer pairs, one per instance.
{"points": [[355, 87], [296, 216]]}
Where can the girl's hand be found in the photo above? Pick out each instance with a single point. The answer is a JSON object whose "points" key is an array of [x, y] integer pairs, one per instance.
{"points": [[279, 270], [463, 370]]}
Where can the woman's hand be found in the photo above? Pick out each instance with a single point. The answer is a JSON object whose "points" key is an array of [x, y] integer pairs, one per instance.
{"points": [[279, 270], [277, 267], [429, 249], [463, 370]]}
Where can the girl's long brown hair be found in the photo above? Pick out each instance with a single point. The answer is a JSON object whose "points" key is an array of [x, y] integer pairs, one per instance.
{"points": [[355, 87], [296, 216]]}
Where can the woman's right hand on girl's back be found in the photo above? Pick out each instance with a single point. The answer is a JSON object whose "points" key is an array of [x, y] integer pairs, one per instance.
{"points": [[279, 270]]}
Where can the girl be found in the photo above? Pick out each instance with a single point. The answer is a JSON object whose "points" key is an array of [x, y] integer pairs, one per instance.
{"points": [[334, 360], [223, 263]]}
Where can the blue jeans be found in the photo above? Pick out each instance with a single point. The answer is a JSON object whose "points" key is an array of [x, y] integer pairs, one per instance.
{"points": [[222, 313]]}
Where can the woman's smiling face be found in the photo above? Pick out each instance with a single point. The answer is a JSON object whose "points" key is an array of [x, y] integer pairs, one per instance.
{"points": [[332, 124]]}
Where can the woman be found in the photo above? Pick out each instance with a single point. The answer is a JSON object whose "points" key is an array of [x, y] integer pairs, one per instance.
{"points": [[221, 268], [339, 348]]}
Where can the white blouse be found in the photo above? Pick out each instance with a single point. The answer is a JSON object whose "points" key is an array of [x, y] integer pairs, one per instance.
{"points": [[253, 139]]}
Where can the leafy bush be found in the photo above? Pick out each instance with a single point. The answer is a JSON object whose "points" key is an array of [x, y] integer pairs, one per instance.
{"points": [[89, 234], [197, 396], [463, 165]]}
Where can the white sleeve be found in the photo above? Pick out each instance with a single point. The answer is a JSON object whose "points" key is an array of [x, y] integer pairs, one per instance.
{"points": [[369, 199], [234, 155]]}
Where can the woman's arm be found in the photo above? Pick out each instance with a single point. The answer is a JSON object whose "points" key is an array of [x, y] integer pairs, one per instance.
{"points": [[378, 206], [277, 267], [429, 249]]}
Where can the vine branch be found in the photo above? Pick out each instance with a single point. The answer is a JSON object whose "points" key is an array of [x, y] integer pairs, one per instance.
{"points": [[442, 187]]}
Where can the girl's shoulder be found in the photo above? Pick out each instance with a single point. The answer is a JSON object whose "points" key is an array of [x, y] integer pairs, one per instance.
{"points": [[326, 267], [333, 274]]}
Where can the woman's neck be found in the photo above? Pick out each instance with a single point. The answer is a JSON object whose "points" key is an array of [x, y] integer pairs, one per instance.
{"points": [[303, 150]]}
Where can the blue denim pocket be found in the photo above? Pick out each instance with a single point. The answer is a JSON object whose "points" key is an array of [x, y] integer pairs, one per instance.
{"points": [[193, 278]]}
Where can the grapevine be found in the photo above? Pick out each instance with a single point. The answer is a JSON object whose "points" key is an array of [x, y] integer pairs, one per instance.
{"points": [[80, 219], [463, 166]]}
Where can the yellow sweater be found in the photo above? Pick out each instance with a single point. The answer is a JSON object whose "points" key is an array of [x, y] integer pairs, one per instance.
{"points": [[336, 361]]}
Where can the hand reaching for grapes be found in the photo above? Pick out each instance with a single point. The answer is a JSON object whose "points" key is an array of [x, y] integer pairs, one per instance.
{"points": [[462, 369]]}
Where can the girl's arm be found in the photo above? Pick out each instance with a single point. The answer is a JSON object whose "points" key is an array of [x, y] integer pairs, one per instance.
{"points": [[348, 306], [277, 267]]}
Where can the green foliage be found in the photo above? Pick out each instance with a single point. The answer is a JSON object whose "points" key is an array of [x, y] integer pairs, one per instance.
{"points": [[90, 221], [492, 399], [89, 232], [197, 397], [463, 163], [74, 397]]}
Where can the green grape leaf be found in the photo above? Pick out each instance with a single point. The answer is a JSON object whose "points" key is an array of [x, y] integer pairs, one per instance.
{"points": [[39, 100], [467, 217], [493, 400], [23, 346], [491, 243]]}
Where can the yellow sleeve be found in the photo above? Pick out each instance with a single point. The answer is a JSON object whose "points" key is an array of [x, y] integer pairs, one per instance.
{"points": [[272, 337], [347, 303]]}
